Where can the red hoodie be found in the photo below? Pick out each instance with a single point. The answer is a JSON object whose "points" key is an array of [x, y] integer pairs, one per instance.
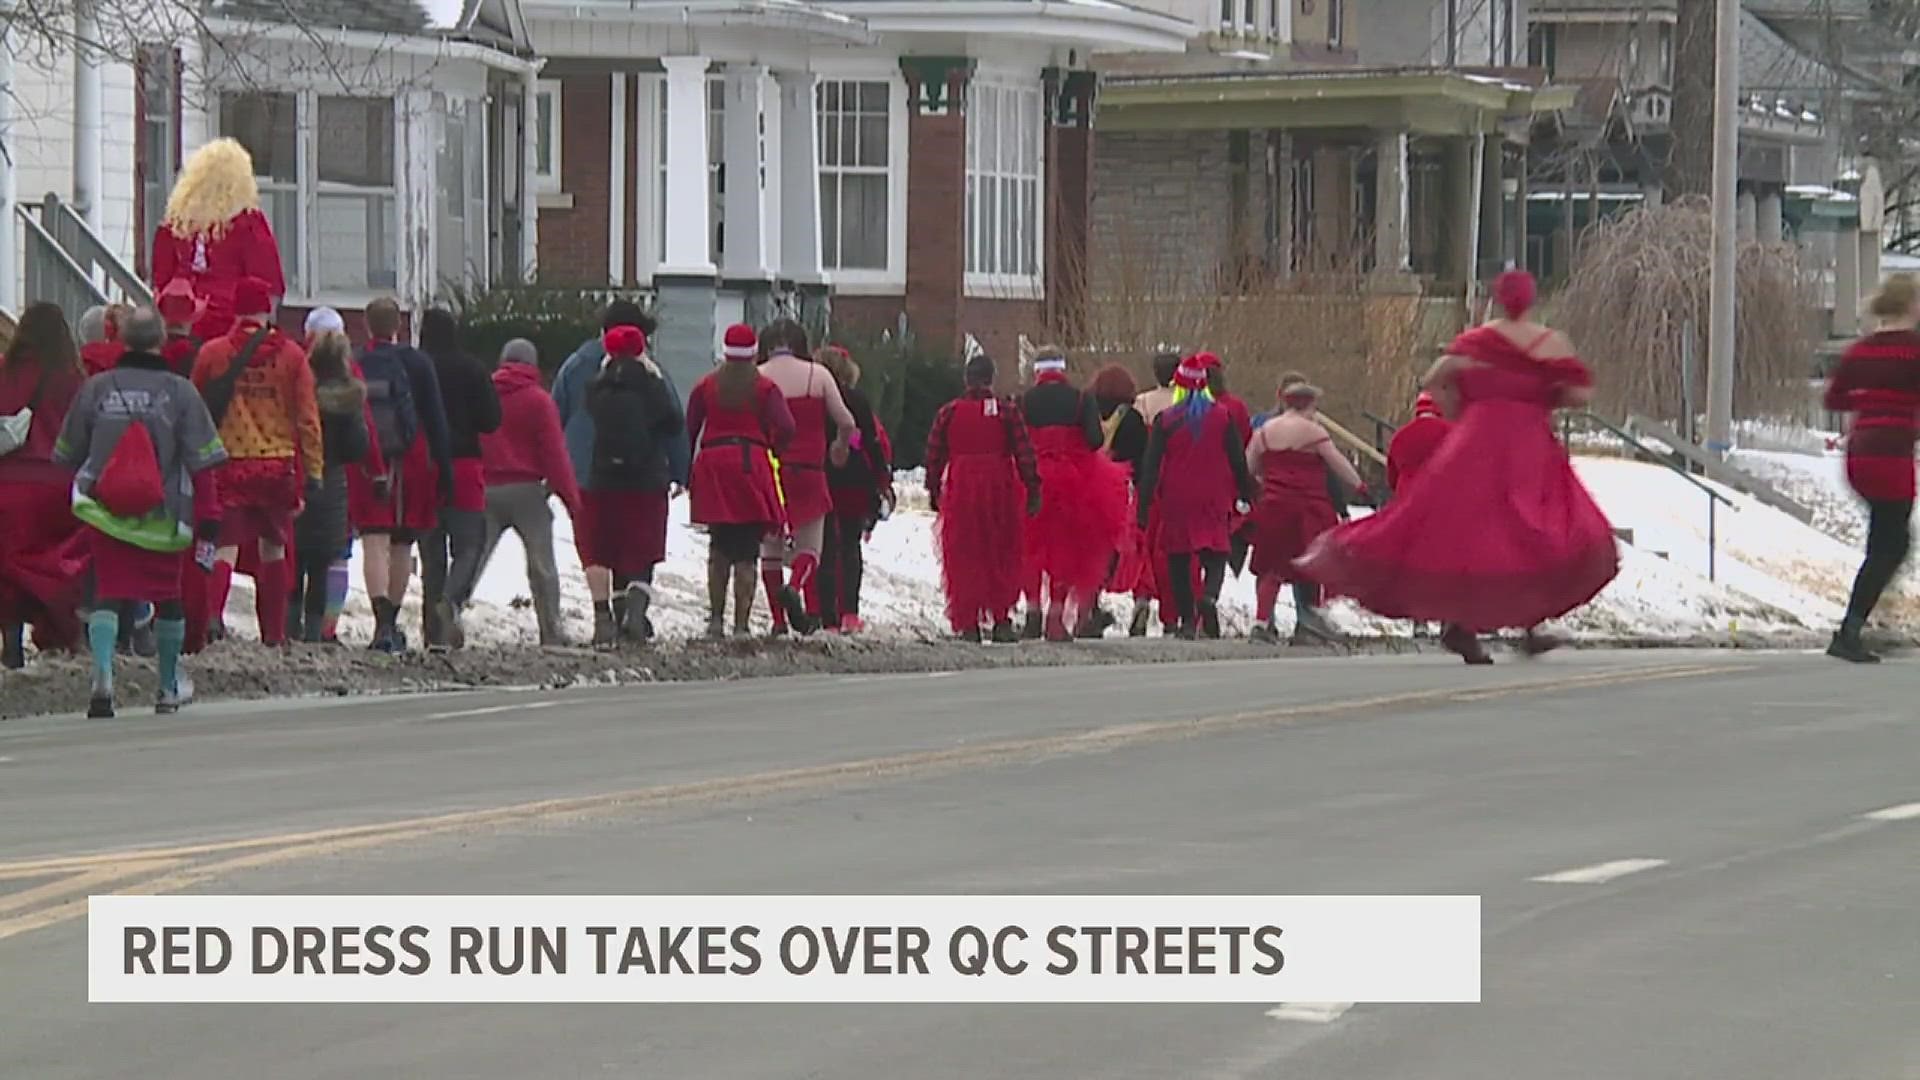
{"points": [[529, 447]]}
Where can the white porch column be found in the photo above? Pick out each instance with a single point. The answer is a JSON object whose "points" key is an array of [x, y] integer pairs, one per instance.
{"points": [[747, 220], [688, 225], [9, 242], [89, 124], [1870, 240], [799, 179], [617, 185], [529, 175], [1392, 254]]}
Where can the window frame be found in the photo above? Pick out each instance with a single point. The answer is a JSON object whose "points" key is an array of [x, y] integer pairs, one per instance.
{"points": [[824, 169], [995, 282], [551, 181], [891, 280]]}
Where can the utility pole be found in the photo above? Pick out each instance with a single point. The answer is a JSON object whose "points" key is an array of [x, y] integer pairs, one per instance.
{"points": [[1726, 165]]}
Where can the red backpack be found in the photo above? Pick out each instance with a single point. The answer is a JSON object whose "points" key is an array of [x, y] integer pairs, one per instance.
{"points": [[129, 486]]}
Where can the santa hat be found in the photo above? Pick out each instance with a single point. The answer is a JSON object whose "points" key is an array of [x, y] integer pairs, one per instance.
{"points": [[178, 304], [1424, 405], [251, 296], [325, 320], [740, 344], [624, 341], [1195, 370]]}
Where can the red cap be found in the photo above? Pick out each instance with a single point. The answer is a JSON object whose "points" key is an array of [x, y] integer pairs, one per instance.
{"points": [[251, 296], [625, 341], [740, 343]]}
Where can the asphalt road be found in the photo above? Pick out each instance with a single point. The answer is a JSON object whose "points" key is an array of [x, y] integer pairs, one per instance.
{"points": [[1773, 931]]}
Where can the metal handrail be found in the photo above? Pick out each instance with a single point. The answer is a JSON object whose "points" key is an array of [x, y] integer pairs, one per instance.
{"points": [[1383, 429], [1714, 498], [85, 247], [52, 274]]}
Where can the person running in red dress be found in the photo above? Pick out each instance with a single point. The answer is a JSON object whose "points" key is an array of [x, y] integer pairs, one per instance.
{"points": [[738, 421], [1498, 533], [1414, 445], [814, 399], [1195, 475], [1071, 544], [1878, 381], [43, 553], [980, 463], [1291, 455]]}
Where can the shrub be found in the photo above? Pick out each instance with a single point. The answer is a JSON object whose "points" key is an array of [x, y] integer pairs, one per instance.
{"points": [[556, 319], [907, 384]]}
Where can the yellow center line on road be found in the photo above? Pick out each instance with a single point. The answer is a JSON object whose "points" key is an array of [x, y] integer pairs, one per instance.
{"points": [[250, 853]]}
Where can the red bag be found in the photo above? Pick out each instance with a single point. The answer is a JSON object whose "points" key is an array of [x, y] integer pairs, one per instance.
{"points": [[129, 486]]}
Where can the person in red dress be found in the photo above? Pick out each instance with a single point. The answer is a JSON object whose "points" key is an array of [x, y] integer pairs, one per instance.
{"points": [[1071, 544], [814, 398], [622, 530], [214, 235], [1878, 381], [1498, 533], [979, 462], [1124, 441], [1291, 455], [1195, 475], [43, 553], [738, 421], [1414, 445]]}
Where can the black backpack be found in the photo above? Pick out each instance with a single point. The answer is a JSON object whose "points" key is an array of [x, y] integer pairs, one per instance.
{"points": [[396, 422], [622, 400]]}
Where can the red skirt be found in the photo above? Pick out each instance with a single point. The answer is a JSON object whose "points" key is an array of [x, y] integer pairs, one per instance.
{"points": [[733, 484], [258, 497], [622, 531], [805, 492], [981, 538], [122, 571], [1498, 533], [43, 559], [1282, 528], [415, 502], [1133, 569], [1082, 520]]}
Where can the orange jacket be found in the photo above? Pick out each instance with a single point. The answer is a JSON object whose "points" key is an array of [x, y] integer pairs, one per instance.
{"points": [[273, 414]]}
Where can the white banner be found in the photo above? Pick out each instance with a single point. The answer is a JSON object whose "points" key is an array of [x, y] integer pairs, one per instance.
{"points": [[846, 949]]}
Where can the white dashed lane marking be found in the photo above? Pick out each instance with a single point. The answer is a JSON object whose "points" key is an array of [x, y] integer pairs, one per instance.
{"points": [[1600, 873], [1311, 1012], [493, 710], [1903, 812]]}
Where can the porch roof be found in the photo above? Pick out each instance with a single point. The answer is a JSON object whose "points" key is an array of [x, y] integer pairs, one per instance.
{"points": [[1099, 25], [784, 16], [1420, 101]]}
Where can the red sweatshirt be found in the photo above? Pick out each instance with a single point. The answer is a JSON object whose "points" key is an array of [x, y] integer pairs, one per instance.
{"points": [[529, 447], [1878, 380]]}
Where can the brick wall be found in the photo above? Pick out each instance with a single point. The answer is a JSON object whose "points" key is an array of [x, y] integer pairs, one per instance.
{"points": [[1161, 209], [573, 243], [998, 325]]}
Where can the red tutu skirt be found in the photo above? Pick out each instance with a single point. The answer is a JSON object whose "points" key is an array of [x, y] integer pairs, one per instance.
{"points": [[415, 503], [623, 531], [1083, 515], [805, 492], [122, 571], [1282, 529], [981, 538], [43, 560], [1498, 533]]}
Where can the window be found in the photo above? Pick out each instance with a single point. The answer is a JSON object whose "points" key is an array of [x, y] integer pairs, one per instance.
{"points": [[1004, 135], [856, 159], [158, 160], [1249, 17], [356, 206], [268, 126], [546, 135], [1541, 39], [460, 210]]}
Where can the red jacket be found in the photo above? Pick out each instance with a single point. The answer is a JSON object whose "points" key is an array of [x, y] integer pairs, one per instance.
{"points": [[214, 266], [1412, 445], [530, 446], [102, 356], [1878, 380]]}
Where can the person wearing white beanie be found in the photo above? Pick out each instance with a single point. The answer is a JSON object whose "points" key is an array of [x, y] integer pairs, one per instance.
{"points": [[324, 320]]}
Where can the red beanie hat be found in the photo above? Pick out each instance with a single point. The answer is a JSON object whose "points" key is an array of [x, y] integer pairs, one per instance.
{"points": [[740, 343], [251, 296], [1424, 405], [625, 341]]}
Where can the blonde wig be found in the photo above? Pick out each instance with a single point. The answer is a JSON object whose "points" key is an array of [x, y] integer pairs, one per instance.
{"points": [[216, 186]]}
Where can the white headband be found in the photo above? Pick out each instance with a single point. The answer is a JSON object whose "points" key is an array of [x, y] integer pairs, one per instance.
{"points": [[1050, 363]]}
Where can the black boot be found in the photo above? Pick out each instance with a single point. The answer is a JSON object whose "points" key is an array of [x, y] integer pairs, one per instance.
{"points": [[1004, 633], [1142, 619], [1210, 620], [1265, 634], [386, 616], [1036, 627], [796, 607], [13, 647], [1465, 645], [1846, 645], [970, 635]]}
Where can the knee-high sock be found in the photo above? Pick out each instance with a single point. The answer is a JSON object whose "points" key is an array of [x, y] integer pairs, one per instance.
{"points": [[271, 587], [171, 634], [1266, 594], [806, 566], [219, 584], [103, 633], [773, 575]]}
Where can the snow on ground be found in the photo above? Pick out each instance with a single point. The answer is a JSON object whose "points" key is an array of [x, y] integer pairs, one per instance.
{"points": [[1776, 576]]}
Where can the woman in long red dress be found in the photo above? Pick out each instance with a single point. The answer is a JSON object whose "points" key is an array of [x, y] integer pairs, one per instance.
{"points": [[1498, 533], [43, 554], [1195, 476], [738, 421], [1291, 455], [979, 459], [1071, 544]]}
